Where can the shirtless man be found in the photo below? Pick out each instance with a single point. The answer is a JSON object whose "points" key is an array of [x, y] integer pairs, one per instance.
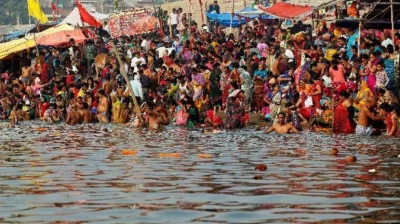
{"points": [[162, 113], [107, 85], [275, 65], [73, 116], [102, 109], [26, 74], [124, 114], [363, 125], [17, 114], [152, 118], [323, 67], [87, 115], [3, 86], [281, 127]]}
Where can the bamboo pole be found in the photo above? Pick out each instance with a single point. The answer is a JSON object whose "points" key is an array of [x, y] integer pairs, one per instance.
{"points": [[170, 19], [359, 38], [121, 65], [233, 8], [189, 17], [392, 21]]}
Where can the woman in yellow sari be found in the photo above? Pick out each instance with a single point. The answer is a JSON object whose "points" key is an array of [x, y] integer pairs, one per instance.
{"points": [[116, 108], [363, 93]]}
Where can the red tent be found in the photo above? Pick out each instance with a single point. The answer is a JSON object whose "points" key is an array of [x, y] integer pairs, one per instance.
{"points": [[288, 11], [61, 38]]}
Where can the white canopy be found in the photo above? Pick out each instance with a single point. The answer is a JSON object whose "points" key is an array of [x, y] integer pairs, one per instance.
{"points": [[313, 3], [75, 19]]}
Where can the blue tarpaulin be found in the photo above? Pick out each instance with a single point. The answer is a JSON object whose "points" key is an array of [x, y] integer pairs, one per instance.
{"points": [[15, 34], [224, 19], [31, 29]]}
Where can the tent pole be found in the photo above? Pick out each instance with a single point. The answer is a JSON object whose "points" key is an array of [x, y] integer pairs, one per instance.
{"points": [[189, 17], [392, 21], [233, 8], [312, 20], [169, 15], [359, 38]]}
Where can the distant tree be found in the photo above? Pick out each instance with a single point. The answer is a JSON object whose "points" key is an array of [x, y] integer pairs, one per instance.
{"points": [[11, 9]]}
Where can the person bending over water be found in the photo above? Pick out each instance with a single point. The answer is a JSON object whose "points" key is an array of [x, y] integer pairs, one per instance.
{"points": [[281, 127], [364, 126]]}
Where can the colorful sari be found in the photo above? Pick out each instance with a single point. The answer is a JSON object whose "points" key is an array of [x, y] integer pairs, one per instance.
{"points": [[342, 122], [362, 95], [389, 69], [371, 78]]}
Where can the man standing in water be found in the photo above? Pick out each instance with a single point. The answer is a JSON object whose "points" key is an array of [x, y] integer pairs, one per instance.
{"points": [[281, 127], [363, 126], [102, 109]]}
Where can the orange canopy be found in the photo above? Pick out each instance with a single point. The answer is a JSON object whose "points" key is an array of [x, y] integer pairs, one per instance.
{"points": [[60, 38], [288, 11]]}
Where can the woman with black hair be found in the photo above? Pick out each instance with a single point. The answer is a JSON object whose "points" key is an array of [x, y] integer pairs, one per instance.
{"points": [[343, 114], [337, 74]]}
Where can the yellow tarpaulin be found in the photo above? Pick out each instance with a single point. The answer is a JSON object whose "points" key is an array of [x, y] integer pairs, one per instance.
{"points": [[28, 42]]}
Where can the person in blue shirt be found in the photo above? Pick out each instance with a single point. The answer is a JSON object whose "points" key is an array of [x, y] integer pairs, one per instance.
{"points": [[214, 7], [260, 72]]}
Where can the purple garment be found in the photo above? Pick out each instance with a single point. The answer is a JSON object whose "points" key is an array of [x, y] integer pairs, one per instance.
{"points": [[371, 78], [198, 78]]}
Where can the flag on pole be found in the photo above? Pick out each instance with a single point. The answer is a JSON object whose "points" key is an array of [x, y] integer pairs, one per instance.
{"points": [[86, 17], [55, 10], [54, 7], [36, 12]]}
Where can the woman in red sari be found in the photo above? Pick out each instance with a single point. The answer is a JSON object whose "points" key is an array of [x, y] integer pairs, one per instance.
{"points": [[305, 111], [316, 91], [343, 115], [299, 46]]}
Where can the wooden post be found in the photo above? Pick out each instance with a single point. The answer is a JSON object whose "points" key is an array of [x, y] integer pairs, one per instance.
{"points": [[121, 65], [359, 37], [170, 24], [189, 17], [392, 21], [233, 8]]}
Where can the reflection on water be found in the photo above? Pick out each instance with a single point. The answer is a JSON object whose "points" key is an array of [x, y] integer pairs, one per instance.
{"points": [[78, 174]]}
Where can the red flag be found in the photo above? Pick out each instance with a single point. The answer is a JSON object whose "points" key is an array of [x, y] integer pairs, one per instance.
{"points": [[86, 17], [54, 7]]}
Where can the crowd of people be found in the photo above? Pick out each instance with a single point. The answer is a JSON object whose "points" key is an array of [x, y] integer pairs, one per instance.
{"points": [[194, 77]]}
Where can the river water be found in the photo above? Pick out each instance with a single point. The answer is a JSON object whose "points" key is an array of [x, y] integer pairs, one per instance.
{"points": [[86, 174]]}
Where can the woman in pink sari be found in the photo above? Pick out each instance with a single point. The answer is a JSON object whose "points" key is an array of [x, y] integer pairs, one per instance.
{"points": [[371, 70]]}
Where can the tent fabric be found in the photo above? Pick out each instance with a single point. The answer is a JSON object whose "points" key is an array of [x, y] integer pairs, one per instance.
{"points": [[377, 24], [28, 42], [15, 34], [61, 38], [288, 11], [378, 17], [252, 12], [74, 17], [313, 3], [18, 33], [224, 19], [381, 11]]}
